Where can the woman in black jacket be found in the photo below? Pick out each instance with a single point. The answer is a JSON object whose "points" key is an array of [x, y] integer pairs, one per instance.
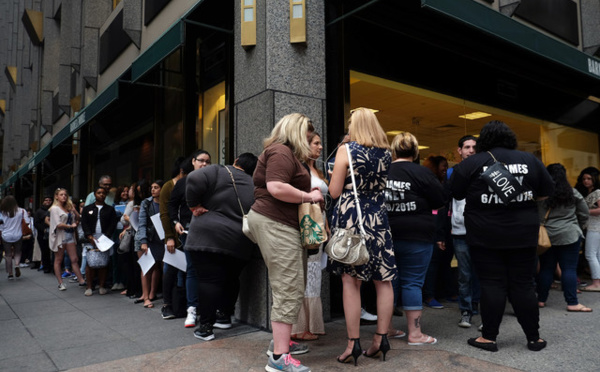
{"points": [[218, 248], [93, 230], [502, 236]]}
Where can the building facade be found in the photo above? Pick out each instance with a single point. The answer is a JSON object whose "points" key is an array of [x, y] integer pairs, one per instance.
{"points": [[124, 87]]}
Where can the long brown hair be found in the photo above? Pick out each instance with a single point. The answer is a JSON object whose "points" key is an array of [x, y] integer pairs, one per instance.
{"points": [[320, 173], [9, 206]]}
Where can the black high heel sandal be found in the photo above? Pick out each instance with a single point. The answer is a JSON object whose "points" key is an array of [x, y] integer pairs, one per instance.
{"points": [[356, 352], [384, 347]]}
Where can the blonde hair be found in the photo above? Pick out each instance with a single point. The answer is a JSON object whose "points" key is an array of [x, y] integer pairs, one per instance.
{"points": [[291, 131], [405, 145], [68, 205], [365, 129]]}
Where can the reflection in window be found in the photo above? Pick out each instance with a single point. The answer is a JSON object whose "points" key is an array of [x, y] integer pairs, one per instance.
{"points": [[212, 123]]}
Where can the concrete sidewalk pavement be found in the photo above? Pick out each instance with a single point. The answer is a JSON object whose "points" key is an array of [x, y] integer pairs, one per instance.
{"points": [[43, 329]]}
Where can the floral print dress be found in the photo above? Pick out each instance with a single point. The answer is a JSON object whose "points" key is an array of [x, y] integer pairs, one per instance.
{"points": [[371, 166]]}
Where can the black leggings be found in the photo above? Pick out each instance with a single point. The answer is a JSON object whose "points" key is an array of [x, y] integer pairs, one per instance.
{"points": [[218, 283], [507, 273]]}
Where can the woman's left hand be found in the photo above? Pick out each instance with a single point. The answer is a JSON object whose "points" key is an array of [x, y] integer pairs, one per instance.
{"points": [[316, 196], [198, 210]]}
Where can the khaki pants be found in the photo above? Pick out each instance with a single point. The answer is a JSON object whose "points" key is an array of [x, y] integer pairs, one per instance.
{"points": [[286, 261]]}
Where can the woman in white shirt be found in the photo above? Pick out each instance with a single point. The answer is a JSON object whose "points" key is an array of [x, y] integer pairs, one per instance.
{"points": [[12, 235]]}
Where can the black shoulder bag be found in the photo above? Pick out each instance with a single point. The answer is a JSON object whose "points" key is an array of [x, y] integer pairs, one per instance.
{"points": [[504, 184]]}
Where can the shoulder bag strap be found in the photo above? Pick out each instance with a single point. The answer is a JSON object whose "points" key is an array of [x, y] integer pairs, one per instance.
{"points": [[546, 216], [358, 211], [236, 192]]}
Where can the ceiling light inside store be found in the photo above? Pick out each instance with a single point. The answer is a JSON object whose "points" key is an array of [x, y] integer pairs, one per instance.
{"points": [[594, 99], [394, 133], [421, 147], [475, 115], [372, 110]]}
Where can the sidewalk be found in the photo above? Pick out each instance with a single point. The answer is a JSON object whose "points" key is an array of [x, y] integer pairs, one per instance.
{"points": [[43, 329]]}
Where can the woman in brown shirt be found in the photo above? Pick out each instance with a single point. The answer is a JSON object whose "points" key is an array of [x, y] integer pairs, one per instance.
{"points": [[281, 184]]}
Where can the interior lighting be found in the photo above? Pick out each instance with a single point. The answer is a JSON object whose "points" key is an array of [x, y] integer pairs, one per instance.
{"points": [[372, 110], [475, 115], [394, 133], [594, 99]]}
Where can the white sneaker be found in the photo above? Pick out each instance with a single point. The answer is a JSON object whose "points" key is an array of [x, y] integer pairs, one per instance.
{"points": [[62, 287], [365, 315], [190, 320], [102, 291]]}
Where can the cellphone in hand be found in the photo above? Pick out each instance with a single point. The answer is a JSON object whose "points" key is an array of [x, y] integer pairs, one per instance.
{"points": [[330, 167]]}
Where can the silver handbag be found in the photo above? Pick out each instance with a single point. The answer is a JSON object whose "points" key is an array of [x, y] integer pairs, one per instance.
{"points": [[96, 259], [345, 246]]}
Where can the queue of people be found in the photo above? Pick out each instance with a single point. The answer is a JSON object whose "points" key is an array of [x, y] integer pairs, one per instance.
{"points": [[406, 213]]}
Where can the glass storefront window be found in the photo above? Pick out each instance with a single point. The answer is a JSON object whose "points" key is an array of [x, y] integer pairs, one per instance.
{"points": [[439, 121], [575, 149], [171, 126], [212, 123]]}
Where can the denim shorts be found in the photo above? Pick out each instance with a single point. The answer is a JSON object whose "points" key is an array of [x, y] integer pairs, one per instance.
{"points": [[69, 238]]}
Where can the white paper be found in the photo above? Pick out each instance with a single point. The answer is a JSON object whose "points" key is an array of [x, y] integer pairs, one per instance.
{"points": [[177, 259], [158, 226], [104, 243], [146, 261], [134, 220]]}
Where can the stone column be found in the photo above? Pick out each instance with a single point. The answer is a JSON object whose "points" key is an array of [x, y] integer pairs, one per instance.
{"points": [[273, 79], [590, 27]]}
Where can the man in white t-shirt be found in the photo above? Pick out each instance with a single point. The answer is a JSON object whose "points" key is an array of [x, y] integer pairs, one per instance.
{"points": [[468, 285]]}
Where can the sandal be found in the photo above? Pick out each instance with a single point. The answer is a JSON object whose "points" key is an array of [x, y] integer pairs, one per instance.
{"points": [[580, 309], [148, 305], [396, 333], [305, 336], [536, 345], [487, 346], [428, 341]]}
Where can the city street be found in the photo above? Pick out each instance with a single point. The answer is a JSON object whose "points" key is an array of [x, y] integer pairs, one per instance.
{"points": [[43, 329]]}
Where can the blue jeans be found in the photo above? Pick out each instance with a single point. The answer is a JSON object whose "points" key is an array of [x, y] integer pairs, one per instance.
{"points": [[567, 257], [191, 279], [468, 284], [412, 260]]}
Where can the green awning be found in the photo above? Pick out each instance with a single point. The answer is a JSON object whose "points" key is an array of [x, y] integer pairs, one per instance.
{"points": [[108, 95], [12, 179], [170, 41], [497, 24], [35, 160]]}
